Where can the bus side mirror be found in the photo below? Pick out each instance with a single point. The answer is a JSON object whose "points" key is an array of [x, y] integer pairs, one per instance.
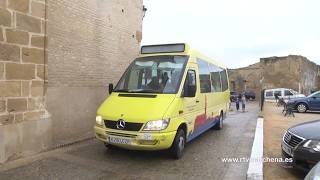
{"points": [[110, 88]]}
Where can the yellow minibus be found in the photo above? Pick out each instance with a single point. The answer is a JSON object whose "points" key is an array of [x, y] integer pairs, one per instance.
{"points": [[168, 96]]}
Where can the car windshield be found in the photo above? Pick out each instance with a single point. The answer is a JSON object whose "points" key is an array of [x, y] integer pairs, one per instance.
{"points": [[154, 74], [315, 94]]}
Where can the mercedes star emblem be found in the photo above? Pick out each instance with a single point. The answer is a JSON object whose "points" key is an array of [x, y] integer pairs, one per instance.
{"points": [[121, 124]]}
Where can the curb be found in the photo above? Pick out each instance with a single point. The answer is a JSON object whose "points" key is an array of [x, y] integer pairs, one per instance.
{"points": [[255, 169]]}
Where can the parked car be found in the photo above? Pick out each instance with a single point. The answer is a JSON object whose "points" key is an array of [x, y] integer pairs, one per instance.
{"points": [[286, 94], [302, 143], [314, 174], [250, 95], [233, 96], [311, 102]]}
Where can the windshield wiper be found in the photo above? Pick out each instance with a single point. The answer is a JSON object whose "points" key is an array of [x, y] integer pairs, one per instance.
{"points": [[121, 90], [136, 90], [144, 91]]}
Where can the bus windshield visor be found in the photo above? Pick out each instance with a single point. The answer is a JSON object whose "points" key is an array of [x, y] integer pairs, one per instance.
{"points": [[154, 74]]}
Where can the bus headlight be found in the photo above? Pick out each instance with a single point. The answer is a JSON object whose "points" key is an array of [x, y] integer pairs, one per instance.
{"points": [[99, 120], [156, 125], [313, 144]]}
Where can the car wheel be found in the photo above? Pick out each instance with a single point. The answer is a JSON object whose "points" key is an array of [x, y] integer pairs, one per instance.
{"points": [[178, 145], [302, 108], [219, 125]]}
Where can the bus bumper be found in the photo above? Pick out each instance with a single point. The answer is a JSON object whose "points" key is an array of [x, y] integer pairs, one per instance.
{"points": [[135, 140]]}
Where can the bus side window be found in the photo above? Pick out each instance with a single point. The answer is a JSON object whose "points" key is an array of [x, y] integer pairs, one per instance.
{"points": [[224, 80], [215, 78], [204, 75]]}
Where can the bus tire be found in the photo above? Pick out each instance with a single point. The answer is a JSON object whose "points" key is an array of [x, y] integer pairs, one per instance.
{"points": [[178, 144], [219, 125]]}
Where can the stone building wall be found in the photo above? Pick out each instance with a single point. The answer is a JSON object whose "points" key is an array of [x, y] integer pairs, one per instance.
{"points": [[247, 78], [294, 72], [22, 76], [56, 59], [90, 45]]}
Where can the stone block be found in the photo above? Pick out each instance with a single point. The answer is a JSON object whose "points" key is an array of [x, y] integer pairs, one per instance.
{"points": [[28, 23], [1, 71], [16, 71], [18, 117], [25, 86], [43, 26], [18, 37], [10, 89], [1, 34], [42, 72], [6, 119], [5, 17], [35, 103], [38, 41], [9, 52], [37, 88], [2, 106], [139, 36], [19, 5], [38, 9], [17, 105], [33, 55], [33, 115], [3, 3]]}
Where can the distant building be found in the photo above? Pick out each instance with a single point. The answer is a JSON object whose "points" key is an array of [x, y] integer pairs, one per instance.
{"points": [[294, 72]]}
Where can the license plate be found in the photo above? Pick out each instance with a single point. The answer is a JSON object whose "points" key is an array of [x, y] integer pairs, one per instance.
{"points": [[117, 140], [287, 149]]}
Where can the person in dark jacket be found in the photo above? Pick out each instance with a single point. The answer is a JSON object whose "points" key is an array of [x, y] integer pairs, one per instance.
{"points": [[276, 96], [237, 103], [238, 99]]}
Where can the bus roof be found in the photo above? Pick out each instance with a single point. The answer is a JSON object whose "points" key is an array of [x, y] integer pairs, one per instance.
{"points": [[176, 49]]}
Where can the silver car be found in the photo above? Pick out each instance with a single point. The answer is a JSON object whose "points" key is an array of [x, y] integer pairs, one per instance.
{"points": [[314, 174]]}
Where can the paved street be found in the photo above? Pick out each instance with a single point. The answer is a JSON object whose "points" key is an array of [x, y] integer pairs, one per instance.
{"points": [[91, 160]]}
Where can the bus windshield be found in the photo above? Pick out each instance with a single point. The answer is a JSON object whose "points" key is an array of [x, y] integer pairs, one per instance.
{"points": [[154, 74]]}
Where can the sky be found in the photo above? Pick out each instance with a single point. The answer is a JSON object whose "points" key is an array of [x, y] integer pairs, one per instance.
{"points": [[237, 32]]}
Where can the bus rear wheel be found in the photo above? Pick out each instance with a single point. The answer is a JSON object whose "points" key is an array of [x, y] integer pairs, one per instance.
{"points": [[219, 125]]}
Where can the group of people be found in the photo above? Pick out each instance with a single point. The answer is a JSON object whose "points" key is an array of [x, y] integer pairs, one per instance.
{"points": [[241, 99]]}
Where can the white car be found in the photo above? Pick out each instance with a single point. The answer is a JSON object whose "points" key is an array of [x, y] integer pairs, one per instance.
{"points": [[286, 94]]}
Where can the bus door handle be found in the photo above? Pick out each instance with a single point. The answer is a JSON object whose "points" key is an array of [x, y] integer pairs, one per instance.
{"points": [[197, 101]]}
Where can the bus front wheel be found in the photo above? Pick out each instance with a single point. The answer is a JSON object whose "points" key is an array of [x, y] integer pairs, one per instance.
{"points": [[178, 144]]}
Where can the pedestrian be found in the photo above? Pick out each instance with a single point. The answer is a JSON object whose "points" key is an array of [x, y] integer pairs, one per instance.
{"points": [[276, 96], [243, 102], [238, 99], [237, 103]]}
